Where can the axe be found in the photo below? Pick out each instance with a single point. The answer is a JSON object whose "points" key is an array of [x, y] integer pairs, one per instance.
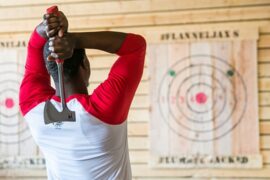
{"points": [[51, 114]]}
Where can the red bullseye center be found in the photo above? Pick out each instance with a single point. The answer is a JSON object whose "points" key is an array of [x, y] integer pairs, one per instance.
{"points": [[201, 98], [9, 103]]}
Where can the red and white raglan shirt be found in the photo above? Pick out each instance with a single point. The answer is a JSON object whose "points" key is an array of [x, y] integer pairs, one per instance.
{"points": [[95, 146]]}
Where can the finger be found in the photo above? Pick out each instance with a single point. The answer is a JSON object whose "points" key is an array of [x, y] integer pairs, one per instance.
{"points": [[61, 32], [57, 49], [61, 55], [54, 55], [52, 32], [64, 24], [62, 17], [45, 16], [51, 43], [51, 39], [52, 26], [54, 41], [50, 58], [60, 47], [52, 19], [51, 48], [62, 20], [59, 41], [49, 15]]}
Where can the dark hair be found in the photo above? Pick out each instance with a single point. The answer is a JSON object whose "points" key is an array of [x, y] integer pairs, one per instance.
{"points": [[71, 65]]}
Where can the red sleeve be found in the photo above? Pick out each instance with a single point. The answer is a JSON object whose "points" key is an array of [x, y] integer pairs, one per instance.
{"points": [[111, 100], [35, 87]]}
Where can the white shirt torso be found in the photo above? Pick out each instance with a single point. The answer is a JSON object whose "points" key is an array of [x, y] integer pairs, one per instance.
{"points": [[87, 149]]}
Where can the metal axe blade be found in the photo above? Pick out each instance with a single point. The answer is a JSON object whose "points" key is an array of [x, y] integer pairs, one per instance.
{"points": [[52, 115]]}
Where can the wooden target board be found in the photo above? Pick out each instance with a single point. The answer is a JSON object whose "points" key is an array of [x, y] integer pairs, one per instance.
{"points": [[17, 148], [204, 98]]}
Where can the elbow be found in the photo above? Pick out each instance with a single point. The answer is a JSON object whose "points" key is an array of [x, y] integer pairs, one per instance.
{"points": [[133, 44], [136, 42], [141, 41]]}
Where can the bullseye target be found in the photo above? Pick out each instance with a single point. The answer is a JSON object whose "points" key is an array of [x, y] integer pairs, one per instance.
{"points": [[203, 100], [197, 98], [13, 128]]}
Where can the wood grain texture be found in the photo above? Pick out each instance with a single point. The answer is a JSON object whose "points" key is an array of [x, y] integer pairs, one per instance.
{"points": [[148, 19], [187, 69], [18, 19]]}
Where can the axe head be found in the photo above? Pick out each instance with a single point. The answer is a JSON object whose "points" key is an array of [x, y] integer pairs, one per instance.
{"points": [[52, 115]]}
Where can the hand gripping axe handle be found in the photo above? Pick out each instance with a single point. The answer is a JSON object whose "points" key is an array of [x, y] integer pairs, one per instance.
{"points": [[51, 114]]}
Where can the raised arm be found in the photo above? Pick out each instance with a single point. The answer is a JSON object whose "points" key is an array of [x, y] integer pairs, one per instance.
{"points": [[111, 100], [62, 47], [105, 40], [35, 87]]}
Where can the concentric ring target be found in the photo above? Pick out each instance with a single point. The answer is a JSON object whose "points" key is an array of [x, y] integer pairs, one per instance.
{"points": [[197, 98], [188, 102], [13, 128], [202, 96]]}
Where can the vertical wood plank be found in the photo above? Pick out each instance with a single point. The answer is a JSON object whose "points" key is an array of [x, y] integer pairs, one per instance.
{"points": [[223, 96], [177, 52], [159, 132], [202, 74]]}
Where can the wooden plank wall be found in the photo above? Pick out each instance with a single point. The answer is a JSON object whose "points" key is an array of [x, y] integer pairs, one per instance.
{"points": [[19, 17]]}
